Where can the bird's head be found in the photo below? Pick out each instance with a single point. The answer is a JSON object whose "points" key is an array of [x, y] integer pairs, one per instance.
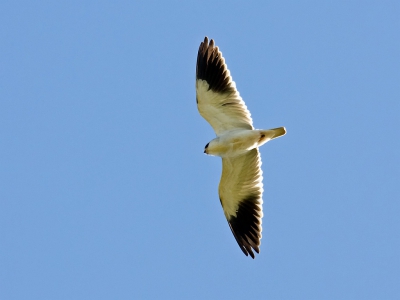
{"points": [[213, 147], [205, 148]]}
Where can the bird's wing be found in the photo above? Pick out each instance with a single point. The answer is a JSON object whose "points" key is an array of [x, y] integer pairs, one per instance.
{"points": [[240, 193], [217, 99]]}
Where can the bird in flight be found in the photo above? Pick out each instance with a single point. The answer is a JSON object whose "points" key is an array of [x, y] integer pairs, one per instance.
{"points": [[240, 188]]}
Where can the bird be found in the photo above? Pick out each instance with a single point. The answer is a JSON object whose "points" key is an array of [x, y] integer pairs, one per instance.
{"points": [[237, 141]]}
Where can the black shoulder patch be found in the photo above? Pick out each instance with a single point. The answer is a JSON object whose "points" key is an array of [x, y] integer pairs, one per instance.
{"points": [[246, 226], [211, 68]]}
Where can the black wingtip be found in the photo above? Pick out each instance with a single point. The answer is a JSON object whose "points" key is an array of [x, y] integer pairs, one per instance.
{"points": [[211, 67], [246, 225]]}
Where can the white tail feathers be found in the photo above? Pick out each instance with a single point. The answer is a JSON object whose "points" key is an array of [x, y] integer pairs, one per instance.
{"points": [[274, 133], [278, 132], [270, 134]]}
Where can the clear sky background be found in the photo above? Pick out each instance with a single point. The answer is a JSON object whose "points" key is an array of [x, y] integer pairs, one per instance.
{"points": [[105, 192]]}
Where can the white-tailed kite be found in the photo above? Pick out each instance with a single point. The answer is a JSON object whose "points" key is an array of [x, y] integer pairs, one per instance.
{"points": [[237, 142]]}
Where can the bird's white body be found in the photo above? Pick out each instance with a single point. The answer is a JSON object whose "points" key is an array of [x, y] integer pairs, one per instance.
{"points": [[239, 141]]}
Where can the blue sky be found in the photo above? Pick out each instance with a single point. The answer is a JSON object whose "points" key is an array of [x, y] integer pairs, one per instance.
{"points": [[105, 192]]}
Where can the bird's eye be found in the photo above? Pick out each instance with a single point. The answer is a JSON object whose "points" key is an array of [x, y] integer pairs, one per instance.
{"points": [[206, 146]]}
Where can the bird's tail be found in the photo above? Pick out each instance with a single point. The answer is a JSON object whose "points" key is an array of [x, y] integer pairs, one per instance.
{"points": [[276, 132], [270, 134]]}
